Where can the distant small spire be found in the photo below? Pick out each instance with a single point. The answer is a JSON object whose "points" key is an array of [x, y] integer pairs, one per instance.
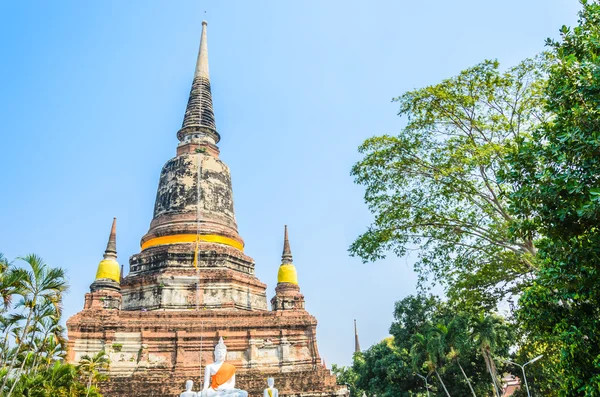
{"points": [[121, 275], [286, 257], [199, 115], [111, 246], [356, 344]]}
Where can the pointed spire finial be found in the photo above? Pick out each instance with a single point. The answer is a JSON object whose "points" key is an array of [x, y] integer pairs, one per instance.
{"points": [[286, 257], [202, 61], [199, 119], [111, 246], [356, 344]]}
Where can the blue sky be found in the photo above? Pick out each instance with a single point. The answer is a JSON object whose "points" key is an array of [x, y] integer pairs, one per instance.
{"points": [[94, 92]]}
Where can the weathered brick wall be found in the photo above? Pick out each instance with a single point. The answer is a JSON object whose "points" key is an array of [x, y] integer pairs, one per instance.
{"points": [[316, 383]]}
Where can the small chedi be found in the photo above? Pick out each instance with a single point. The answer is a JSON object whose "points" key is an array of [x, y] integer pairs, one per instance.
{"points": [[191, 287]]}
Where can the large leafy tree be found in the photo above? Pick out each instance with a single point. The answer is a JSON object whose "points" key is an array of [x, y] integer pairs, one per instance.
{"points": [[385, 370], [557, 178], [434, 186]]}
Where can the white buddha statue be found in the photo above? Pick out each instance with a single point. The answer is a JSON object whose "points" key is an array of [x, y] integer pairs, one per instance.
{"points": [[188, 390], [271, 391], [219, 377]]}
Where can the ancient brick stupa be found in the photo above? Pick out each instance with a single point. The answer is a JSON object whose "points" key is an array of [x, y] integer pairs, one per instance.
{"points": [[192, 284]]}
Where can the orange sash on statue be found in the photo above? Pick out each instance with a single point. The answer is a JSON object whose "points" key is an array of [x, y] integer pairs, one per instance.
{"points": [[222, 376]]}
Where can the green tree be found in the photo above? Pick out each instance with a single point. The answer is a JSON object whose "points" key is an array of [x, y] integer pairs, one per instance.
{"points": [[434, 185], [57, 380], [41, 286], [94, 368], [10, 281], [457, 341], [485, 335], [347, 376], [557, 178], [385, 370], [428, 335], [427, 352]]}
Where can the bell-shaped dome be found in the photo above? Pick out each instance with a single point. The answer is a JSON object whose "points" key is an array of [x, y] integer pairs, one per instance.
{"points": [[287, 274], [287, 271], [109, 268]]}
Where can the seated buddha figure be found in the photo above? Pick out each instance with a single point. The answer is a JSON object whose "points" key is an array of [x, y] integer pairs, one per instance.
{"points": [[219, 377]]}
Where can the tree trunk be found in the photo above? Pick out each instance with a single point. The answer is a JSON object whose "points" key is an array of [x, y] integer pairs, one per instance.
{"points": [[5, 349], [40, 351], [89, 385], [18, 375], [443, 385], [486, 358], [466, 378]]}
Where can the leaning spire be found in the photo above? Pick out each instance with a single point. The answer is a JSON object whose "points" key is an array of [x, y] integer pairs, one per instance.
{"points": [[199, 119], [356, 344], [111, 246]]}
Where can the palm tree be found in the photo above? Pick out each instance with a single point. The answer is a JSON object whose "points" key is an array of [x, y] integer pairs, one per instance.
{"points": [[428, 351], [93, 367], [456, 342], [484, 334], [10, 281], [42, 284], [9, 325], [51, 342], [58, 380]]}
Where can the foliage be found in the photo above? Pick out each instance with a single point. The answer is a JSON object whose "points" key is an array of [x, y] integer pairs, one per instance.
{"points": [[385, 370], [430, 336], [94, 368], [32, 342], [347, 376], [57, 380], [434, 185], [542, 375], [556, 173]]}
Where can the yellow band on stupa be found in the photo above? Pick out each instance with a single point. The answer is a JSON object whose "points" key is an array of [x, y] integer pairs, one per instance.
{"points": [[109, 268], [191, 238], [287, 274]]}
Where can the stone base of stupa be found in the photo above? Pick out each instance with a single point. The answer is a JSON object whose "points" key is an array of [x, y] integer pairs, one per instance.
{"points": [[153, 353], [171, 383]]}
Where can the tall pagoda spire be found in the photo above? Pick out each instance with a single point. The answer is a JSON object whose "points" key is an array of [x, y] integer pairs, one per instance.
{"points": [[286, 257], [199, 119], [287, 293], [109, 267], [108, 274], [111, 246], [287, 270]]}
